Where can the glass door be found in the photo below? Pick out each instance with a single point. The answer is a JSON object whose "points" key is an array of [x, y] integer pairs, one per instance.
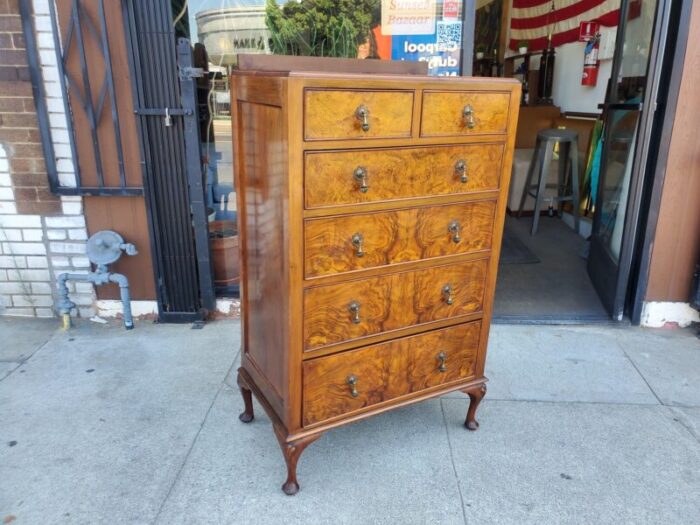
{"points": [[627, 113]]}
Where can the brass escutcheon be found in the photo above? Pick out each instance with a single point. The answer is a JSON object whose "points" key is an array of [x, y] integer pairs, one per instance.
{"points": [[354, 309], [461, 169], [447, 292], [357, 240], [442, 357], [468, 114], [455, 229], [360, 175]]}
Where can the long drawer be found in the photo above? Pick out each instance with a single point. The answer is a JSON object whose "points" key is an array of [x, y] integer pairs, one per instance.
{"points": [[373, 175], [368, 240], [348, 382], [359, 308]]}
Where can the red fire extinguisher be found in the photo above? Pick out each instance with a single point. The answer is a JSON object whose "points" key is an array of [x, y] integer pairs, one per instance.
{"points": [[589, 34]]}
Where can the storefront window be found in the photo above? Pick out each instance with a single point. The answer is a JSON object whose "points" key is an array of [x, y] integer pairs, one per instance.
{"points": [[413, 30]]}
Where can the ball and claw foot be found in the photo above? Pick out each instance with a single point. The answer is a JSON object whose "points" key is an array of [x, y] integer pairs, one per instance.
{"points": [[475, 394]]}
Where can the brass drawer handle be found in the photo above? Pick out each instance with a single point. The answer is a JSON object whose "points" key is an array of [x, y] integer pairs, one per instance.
{"points": [[362, 114], [442, 357], [455, 229], [468, 114], [357, 240], [352, 383], [360, 175], [354, 309], [447, 292], [461, 170]]}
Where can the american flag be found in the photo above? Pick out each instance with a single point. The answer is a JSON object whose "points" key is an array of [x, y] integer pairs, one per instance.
{"points": [[532, 20]]}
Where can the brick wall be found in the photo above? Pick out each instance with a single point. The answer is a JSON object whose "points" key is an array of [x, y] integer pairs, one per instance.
{"points": [[41, 234]]}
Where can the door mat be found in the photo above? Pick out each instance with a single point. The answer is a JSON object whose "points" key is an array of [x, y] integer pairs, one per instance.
{"points": [[514, 251]]}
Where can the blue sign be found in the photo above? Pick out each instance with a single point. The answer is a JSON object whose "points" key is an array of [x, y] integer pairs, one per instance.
{"points": [[442, 50]]}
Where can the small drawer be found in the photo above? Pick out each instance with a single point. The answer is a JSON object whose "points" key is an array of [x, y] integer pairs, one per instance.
{"points": [[345, 114], [351, 381], [450, 113], [352, 177], [352, 310], [369, 240]]}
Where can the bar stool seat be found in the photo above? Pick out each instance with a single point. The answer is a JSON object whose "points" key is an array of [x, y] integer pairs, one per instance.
{"points": [[541, 160]]}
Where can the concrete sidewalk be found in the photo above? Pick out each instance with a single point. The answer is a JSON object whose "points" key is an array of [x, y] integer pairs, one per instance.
{"points": [[580, 425]]}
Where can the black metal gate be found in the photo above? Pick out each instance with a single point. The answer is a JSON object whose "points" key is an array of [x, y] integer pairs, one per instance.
{"points": [[166, 108]]}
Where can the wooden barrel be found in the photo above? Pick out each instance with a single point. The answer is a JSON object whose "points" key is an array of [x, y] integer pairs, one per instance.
{"points": [[223, 240]]}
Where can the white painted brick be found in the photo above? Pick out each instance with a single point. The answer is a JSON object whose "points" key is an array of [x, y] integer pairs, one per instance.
{"points": [[3, 275], [82, 299], [42, 23], [50, 74], [65, 222], [65, 166], [29, 275], [19, 312], [5, 301], [80, 262], [8, 261], [67, 247], [7, 207], [12, 288], [6, 194], [41, 7], [22, 221], [71, 208], [86, 313], [67, 180], [60, 136], [60, 262], [85, 288], [33, 235], [58, 120], [24, 248], [71, 198], [5, 179], [62, 151], [78, 234], [32, 300], [71, 286], [41, 288], [45, 41], [44, 312], [11, 235], [37, 262], [4, 165], [52, 88], [56, 235], [47, 56]]}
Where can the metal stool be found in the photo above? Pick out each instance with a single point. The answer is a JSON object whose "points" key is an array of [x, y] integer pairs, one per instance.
{"points": [[568, 157]]}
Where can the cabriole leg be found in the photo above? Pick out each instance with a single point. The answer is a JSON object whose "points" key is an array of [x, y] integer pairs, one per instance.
{"points": [[476, 394], [292, 451], [247, 415]]}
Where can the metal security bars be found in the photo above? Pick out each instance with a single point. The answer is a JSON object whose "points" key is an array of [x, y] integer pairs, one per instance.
{"points": [[86, 79]]}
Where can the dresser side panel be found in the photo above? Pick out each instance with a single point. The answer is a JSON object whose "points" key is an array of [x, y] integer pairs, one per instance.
{"points": [[262, 190]]}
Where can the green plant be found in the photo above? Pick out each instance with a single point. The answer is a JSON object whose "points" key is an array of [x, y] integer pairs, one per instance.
{"points": [[523, 43], [332, 28], [481, 48]]}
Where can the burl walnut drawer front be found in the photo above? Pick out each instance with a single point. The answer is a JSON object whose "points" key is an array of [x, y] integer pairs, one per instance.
{"points": [[449, 113], [355, 309], [351, 177], [352, 242], [345, 114], [350, 381]]}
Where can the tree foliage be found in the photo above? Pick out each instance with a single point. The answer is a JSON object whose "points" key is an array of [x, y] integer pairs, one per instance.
{"points": [[320, 27]]}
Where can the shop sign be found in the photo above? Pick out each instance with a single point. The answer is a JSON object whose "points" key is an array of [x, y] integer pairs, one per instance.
{"points": [[408, 17], [450, 9], [442, 50]]}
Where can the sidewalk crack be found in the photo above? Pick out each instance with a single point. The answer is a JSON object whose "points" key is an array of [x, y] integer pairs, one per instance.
{"points": [[187, 456], [452, 460]]}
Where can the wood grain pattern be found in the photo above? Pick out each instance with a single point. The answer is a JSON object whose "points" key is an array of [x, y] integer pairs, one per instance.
{"points": [[387, 371], [442, 113], [399, 173], [330, 114], [396, 236], [391, 302]]}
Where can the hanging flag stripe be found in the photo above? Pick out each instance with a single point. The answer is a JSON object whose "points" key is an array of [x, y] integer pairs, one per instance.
{"points": [[533, 24]]}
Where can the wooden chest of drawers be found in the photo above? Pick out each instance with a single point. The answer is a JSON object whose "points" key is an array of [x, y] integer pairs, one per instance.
{"points": [[371, 212]]}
